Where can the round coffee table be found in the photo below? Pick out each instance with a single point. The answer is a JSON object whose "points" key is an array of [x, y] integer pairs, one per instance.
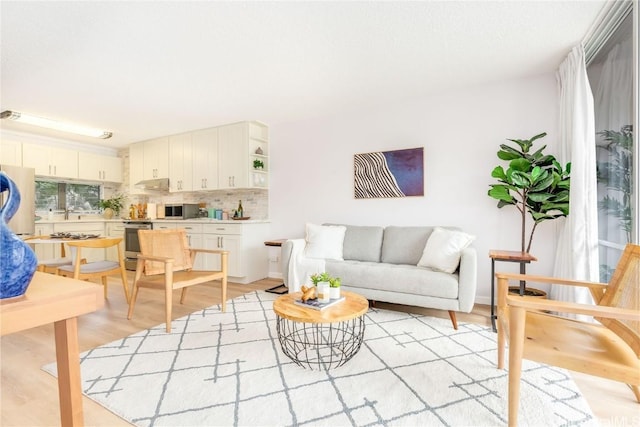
{"points": [[321, 339]]}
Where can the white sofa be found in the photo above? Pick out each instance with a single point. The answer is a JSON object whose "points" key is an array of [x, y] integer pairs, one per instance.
{"points": [[402, 265]]}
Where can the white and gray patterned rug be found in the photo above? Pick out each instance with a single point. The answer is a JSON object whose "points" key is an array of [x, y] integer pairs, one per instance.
{"points": [[228, 369]]}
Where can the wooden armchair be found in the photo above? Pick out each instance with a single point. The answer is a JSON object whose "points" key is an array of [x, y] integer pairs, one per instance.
{"points": [[166, 261], [609, 349]]}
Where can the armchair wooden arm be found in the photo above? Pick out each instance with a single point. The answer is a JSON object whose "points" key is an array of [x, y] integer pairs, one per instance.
{"points": [[537, 304]]}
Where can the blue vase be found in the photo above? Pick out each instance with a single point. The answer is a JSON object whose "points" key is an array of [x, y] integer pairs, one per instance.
{"points": [[18, 262]]}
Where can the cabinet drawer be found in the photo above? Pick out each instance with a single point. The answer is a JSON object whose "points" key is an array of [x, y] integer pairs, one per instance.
{"points": [[222, 228], [191, 228], [164, 226]]}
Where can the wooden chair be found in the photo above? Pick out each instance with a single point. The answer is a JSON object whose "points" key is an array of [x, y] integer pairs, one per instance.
{"points": [[94, 269], [51, 265], [165, 262], [609, 349]]}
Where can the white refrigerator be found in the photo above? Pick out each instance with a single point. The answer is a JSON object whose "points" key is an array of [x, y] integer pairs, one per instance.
{"points": [[23, 222]]}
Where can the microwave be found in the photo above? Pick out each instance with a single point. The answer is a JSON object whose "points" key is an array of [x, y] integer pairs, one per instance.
{"points": [[181, 211]]}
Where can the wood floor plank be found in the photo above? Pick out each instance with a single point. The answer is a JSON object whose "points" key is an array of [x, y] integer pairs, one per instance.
{"points": [[29, 396]]}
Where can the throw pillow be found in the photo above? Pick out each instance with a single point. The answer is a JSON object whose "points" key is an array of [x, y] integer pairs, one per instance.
{"points": [[324, 241], [443, 248]]}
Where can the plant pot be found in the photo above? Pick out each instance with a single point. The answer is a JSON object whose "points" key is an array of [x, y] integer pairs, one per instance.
{"points": [[322, 290], [108, 213], [528, 292], [334, 293]]}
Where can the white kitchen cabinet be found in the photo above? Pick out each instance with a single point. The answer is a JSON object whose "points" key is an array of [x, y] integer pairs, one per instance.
{"points": [[180, 163], [96, 167], [194, 238], [239, 144], [148, 160], [205, 159], [50, 161], [114, 229], [136, 160], [248, 259], [10, 153], [227, 242], [156, 158]]}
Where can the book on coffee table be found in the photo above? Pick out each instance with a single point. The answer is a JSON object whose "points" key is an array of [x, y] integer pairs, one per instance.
{"points": [[316, 304]]}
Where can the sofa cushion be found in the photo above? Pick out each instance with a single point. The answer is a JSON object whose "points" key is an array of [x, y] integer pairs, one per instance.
{"points": [[408, 279], [404, 245], [363, 243], [443, 248], [324, 241]]}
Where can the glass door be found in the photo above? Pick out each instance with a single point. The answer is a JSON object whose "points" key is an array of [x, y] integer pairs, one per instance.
{"points": [[611, 76]]}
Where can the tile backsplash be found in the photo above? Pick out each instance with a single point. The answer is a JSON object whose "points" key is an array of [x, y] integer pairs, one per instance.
{"points": [[255, 202]]}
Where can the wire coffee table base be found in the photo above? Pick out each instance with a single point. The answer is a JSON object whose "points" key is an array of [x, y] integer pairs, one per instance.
{"points": [[320, 345]]}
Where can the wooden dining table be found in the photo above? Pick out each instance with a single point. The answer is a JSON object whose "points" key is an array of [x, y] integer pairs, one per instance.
{"points": [[58, 300]]}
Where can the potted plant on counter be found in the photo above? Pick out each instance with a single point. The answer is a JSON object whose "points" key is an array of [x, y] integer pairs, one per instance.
{"points": [[112, 206]]}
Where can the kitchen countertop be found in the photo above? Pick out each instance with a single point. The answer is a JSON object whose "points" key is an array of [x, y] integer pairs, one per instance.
{"points": [[119, 220]]}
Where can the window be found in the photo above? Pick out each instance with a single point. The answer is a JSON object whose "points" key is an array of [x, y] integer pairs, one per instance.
{"points": [[610, 74], [60, 196]]}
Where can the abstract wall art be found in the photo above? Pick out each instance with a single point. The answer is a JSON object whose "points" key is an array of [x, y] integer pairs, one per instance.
{"points": [[383, 174]]}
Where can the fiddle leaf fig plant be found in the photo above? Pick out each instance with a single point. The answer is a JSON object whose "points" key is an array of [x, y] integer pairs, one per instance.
{"points": [[534, 183]]}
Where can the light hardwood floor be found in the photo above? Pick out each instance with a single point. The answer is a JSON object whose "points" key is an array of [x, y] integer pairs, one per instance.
{"points": [[29, 396]]}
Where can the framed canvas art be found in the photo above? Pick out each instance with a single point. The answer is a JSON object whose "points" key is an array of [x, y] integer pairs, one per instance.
{"points": [[382, 174]]}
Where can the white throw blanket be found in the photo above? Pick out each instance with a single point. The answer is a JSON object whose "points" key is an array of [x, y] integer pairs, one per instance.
{"points": [[300, 267]]}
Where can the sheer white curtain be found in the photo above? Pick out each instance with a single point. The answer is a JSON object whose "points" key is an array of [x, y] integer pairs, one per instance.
{"points": [[577, 250]]}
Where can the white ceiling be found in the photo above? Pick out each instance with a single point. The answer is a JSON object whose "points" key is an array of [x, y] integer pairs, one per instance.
{"points": [[146, 69]]}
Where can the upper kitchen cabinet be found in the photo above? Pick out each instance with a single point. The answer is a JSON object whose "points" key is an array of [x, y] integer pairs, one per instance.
{"points": [[148, 160], [50, 161], [243, 155], [156, 158], [96, 167], [205, 159], [180, 163], [10, 153]]}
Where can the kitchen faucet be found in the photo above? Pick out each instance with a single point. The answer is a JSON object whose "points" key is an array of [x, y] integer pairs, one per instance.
{"points": [[66, 214]]}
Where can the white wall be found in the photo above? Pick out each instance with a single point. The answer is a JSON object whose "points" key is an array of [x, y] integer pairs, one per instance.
{"points": [[312, 166]]}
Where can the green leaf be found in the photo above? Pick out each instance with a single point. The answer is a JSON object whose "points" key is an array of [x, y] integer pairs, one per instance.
{"points": [[540, 197], [522, 165], [508, 153], [498, 173], [543, 184], [500, 192], [540, 135], [535, 173], [520, 179], [524, 144]]}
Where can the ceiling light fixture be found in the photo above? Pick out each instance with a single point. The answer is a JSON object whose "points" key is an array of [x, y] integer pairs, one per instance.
{"points": [[52, 124]]}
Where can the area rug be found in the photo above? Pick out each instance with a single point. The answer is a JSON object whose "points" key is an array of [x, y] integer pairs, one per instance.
{"points": [[228, 369]]}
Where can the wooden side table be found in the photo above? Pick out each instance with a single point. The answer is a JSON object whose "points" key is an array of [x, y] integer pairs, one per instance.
{"points": [[58, 300], [523, 258]]}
